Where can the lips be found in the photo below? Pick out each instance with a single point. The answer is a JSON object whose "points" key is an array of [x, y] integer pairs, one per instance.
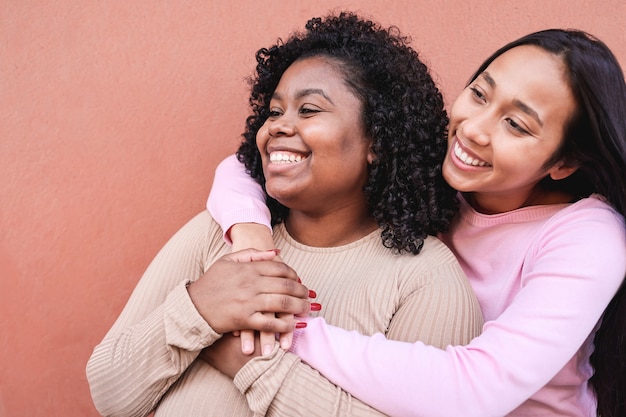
{"points": [[467, 159]]}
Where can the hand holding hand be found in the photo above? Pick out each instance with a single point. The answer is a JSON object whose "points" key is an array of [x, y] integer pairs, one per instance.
{"points": [[257, 236], [236, 290]]}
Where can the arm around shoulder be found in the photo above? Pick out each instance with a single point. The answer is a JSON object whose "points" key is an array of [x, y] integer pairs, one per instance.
{"points": [[236, 197]]}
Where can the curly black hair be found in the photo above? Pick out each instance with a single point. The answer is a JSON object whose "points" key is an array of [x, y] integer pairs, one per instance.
{"points": [[403, 113]]}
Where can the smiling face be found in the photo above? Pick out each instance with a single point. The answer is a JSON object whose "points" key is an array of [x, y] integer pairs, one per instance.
{"points": [[505, 126], [313, 146]]}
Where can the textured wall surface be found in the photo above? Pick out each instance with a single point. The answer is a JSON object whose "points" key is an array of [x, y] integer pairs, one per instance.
{"points": [[113, 116]]}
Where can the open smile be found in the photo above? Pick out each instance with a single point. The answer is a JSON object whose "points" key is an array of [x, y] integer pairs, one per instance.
{"points": [[284, 157], [466, 159]]}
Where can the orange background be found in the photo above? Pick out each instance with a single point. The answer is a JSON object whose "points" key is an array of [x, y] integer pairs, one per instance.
{"points": [[113, 116]]}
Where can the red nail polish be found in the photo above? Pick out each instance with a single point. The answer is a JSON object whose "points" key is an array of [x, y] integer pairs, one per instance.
{"points": [[316, 306], [312, 294], [300, 325]]}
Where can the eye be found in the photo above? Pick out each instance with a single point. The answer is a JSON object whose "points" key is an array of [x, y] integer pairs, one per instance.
{"points": [[308, 110], [516, 126], [477, 94], [275, 112]]}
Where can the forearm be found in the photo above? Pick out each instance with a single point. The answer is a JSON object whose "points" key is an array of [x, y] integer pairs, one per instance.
{"points": [[129, 371], [401, 379], [515, 356], [279, 384], [236, 198]]}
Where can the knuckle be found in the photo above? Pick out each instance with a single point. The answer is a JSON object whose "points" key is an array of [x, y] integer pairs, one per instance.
{"points": [[289, 286], [285, 269], [268, 326]]}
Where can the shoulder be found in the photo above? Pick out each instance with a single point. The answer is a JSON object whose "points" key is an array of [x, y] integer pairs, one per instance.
{"points": [[202, 224], [592, 216], [202, 234], [435, 252], [436, 274], [436, 263], [587, 234]]}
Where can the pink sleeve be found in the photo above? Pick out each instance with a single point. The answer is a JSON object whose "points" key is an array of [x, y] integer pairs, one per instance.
{"points": [[517, 354], [236, 198]]}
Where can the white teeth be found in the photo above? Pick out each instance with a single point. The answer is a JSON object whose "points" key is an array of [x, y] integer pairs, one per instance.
{"points": [[284, 158], [466, 159]]}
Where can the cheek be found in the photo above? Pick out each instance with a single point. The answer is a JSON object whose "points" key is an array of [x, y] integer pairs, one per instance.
{"points": [[262, 137], [526, 155], [450, 176], [459, 106]]}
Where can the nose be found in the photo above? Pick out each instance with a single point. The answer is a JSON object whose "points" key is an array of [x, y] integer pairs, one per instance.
{"points": [[282, 125], [478, 127]]}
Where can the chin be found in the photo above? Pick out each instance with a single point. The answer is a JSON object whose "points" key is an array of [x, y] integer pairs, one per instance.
{"points": [[445, 172], [281, 197], [454, 183]]}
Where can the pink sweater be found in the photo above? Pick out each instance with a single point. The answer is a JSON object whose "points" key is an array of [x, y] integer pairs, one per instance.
{"points": [[542, 275]]}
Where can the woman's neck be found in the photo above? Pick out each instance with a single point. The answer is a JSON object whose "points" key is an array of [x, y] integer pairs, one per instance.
{"points": [[332, 229], [486, 203]]}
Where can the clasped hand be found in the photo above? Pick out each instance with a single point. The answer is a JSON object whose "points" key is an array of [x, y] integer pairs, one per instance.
{"points": [[236, 293], [239, 287]]}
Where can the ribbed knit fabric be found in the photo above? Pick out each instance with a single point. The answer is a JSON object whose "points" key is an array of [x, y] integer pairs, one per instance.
{"points": [[148, 358]]}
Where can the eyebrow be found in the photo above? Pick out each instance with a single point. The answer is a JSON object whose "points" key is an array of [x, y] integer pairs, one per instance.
{"points": [[518, 103], [307, 92]]}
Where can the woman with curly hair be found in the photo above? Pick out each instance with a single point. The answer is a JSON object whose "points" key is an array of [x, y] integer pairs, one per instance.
{"points": [[346, 135], [537, 150]]}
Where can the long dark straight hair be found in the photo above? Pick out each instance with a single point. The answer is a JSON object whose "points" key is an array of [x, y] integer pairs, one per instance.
{"points": [[595, 142]]}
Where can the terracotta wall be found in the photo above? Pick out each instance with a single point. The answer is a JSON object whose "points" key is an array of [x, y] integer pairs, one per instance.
{"points": [[113, 115]]}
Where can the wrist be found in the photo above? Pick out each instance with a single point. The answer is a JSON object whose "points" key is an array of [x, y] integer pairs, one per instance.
{"points": [[251, 235]]}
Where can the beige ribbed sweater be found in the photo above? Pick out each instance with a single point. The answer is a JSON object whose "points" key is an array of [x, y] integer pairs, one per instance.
{"points": [[147, 361]]}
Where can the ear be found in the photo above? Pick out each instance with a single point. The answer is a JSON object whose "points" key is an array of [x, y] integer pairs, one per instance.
{"points": [[560, 171], [371, 156]]}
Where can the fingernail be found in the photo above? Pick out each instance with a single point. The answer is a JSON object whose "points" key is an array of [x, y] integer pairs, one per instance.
{"points": [[248, 347], [267, 349], [300, 325], [312, 294], [276, 251], [316, 306], [299, 280]]}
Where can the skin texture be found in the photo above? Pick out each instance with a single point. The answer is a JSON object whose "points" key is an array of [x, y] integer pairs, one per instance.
{"points": [[315, 116], [510, 120], [230, 300], [252, 235], [226, 356]]}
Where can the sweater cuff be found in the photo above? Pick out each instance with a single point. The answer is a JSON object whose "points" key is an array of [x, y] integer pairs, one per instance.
{"points": [[261, 378], [184, 326]]}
